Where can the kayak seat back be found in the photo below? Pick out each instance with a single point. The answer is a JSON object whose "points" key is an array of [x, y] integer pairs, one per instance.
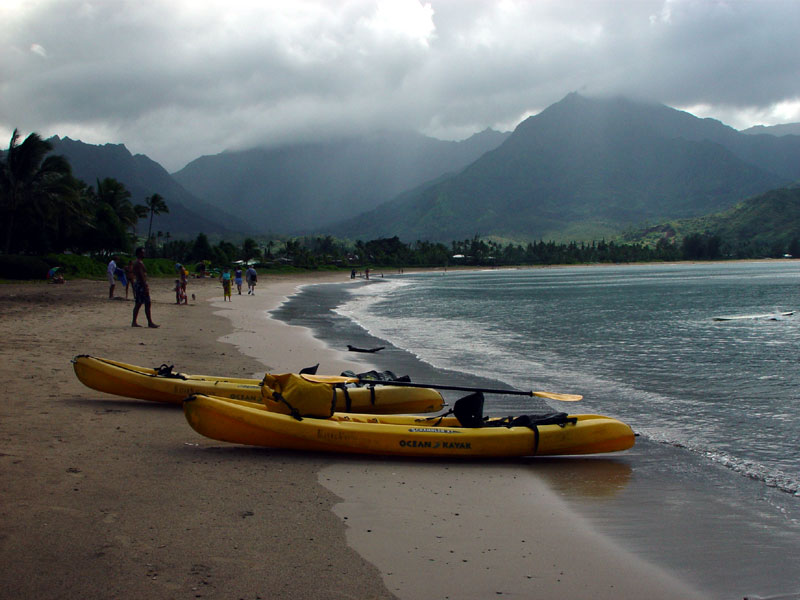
{"points": [[469, 410]]}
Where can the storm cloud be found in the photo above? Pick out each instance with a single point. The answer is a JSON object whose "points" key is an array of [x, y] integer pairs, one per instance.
{"points": [[176, 79]]}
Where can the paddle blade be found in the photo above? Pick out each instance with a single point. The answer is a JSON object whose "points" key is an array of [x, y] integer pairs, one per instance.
{"points": [[331, 379], [559, 397]]}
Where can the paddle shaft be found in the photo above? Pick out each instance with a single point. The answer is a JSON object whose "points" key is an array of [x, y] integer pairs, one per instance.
{"points": [[456, 388], [331, 380]]}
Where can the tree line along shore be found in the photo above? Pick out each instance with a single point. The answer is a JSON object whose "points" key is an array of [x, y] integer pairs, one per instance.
{"points": [[54, 220]]}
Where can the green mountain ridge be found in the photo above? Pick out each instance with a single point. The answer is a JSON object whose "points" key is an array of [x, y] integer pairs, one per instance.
{"points": [[769, 220], [591, 167], [583, 169], [142, 176]]}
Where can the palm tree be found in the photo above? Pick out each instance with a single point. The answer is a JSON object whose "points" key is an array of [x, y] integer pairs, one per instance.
{"points": [[68, 215], [115, 214], [141, 213], [115, 194], [27, 176], [155, 205]]}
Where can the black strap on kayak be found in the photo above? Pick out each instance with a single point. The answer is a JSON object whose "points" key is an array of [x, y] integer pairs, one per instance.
{"points": [[292, 410], [348, 401], [437, 418], [561, 419], [165, 370]]}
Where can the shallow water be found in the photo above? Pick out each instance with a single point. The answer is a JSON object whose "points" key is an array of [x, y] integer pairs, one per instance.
{"points": [[714, 478]]}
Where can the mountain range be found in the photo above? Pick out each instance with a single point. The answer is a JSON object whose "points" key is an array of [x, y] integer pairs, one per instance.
{"points": [[587, 168], [582, 169], [143, 177], [778, 130], [309, 187]]}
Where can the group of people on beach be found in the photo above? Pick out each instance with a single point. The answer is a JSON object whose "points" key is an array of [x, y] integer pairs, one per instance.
{"points": [[133, 275], [225, 278]]}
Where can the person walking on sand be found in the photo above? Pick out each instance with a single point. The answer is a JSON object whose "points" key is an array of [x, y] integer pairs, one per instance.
{"points": [[141, 291], [252, 278], [112, 271], [237, 278], [225, 278]]}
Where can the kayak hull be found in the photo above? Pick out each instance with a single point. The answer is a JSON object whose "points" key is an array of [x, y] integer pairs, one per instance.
{"points": [[246, 423], [132, 381]]}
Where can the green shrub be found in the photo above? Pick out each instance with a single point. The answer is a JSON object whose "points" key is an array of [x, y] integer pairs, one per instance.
{"points": [[76, 265], [160, 266], [14, 266]]}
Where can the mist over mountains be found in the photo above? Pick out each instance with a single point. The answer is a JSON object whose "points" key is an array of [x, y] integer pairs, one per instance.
{"points": [[308, 187], [582, 169]]}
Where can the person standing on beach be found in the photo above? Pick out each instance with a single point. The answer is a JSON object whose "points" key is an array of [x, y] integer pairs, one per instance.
{"points": [[180, 291], [141, 291], [112, 271], [128, 277], [225, 278], [252, 278]]}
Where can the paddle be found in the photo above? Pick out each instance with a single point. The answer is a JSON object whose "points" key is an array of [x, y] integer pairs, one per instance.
{"points": [[333, 379]]}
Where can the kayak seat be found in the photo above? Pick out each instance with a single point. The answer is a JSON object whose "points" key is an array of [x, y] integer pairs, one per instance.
{"points": [[469, 410], [165, 370]]}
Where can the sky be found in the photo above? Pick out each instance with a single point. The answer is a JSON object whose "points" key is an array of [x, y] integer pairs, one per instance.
{"points": [[178, 79]]}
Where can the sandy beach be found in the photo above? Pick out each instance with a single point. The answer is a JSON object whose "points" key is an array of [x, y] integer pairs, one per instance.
{"points": [[104, 497]]}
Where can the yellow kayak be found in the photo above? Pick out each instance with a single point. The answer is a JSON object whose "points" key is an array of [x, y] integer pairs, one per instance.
{"points": [[163, 385], [252, 424]]}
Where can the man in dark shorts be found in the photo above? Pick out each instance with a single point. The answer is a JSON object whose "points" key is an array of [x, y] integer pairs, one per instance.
{"points": [[252, 279], [141, 291]]}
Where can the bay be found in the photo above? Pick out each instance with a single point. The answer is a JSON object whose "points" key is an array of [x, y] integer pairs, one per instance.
{"points": [[714, 402]]}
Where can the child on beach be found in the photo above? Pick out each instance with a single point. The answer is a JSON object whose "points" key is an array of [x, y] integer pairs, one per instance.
{"points": [[180, 293], [128, 277], [182, 274], [225, 278]]}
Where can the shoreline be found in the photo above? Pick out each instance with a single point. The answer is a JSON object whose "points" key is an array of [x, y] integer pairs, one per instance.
{"points": [[549, 551], [95, 484]]}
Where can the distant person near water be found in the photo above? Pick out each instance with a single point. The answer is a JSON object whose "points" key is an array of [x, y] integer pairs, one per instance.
{"points": [[237, 278], [141, 291], [225, 278], [252, 279], [111, 271]]}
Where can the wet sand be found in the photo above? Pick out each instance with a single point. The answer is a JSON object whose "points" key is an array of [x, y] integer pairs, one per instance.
{"points": [[107, 497]]}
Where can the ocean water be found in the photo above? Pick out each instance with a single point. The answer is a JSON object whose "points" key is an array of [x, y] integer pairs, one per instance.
{"points": [[715, 403]]}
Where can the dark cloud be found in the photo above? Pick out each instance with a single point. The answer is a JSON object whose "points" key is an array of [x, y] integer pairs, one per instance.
{"points": [[177, 79]]}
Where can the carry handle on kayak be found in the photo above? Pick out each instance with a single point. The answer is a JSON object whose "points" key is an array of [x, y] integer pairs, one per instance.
{"points": [[334, 379]]}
